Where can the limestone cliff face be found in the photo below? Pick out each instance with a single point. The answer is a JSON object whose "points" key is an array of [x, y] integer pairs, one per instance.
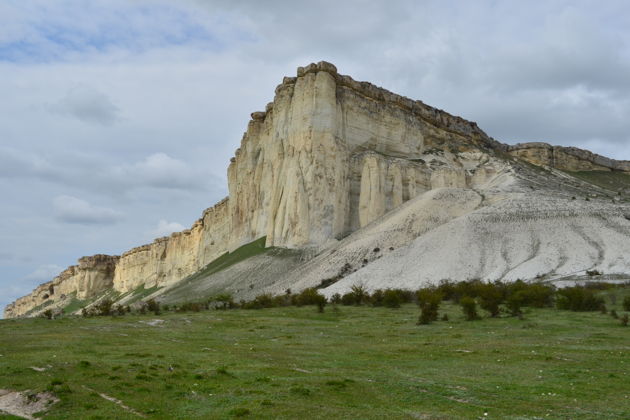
{"points": [[90, 277], [566, 158], [328, 156], [172, 258]]}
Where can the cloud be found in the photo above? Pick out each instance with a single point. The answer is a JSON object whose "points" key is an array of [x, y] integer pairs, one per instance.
{"points": [[87, 105], [74, 210], [44, 273], [159, 170], [165, 228]]}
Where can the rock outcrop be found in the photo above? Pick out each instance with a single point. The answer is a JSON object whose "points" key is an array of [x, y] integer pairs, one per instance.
{"points": [[566, 158], [326, 158], [90, 277]]}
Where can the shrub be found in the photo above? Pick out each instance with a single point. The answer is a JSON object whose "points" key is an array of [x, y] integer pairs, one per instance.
{"points": [[190, 307], [311, 296], [360, 294], [469, 306], [104, 307], [624, 320], [447, 289], [392, 298], [626, 303], [153, 306], [224, 301], [119, 310], [377, 297], [261, 301], [335, 299], [538, 295], [578, 299], [348, 299], [48, 314], [490, 297], [429, 300], [514, 302], [613, 313], [445, 317]]}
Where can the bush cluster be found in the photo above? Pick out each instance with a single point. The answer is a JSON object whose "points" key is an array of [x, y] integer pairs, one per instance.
{"points": [[578, 298], [494, 298]]}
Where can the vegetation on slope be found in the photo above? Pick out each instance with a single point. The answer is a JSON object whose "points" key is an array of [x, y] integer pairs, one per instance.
{"points": [[610, 180]]}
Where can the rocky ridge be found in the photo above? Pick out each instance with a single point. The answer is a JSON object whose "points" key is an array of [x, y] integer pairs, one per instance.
{"points": [[329, 161]]}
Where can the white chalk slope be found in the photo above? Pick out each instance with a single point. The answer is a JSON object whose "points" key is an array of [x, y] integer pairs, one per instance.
{"points": [[519, 237]]}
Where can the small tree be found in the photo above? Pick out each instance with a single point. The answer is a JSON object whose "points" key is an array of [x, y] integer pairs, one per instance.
{"points": [[624, 320], [429, 300], [153, 306], [48, 314], [490, 297], [311, 296], [104, 307], [226, 301], [360, 294], [392, 298], [469, 306], [626, 303]]}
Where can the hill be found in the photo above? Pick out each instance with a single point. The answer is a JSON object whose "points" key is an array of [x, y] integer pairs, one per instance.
{"points": [[348, 183]]}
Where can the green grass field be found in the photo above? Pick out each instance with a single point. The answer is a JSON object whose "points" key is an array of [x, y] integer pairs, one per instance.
{"points": [[353, 362]]}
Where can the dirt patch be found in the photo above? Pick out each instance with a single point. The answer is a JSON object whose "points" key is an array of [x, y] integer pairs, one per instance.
{"points": [[25, 404]]}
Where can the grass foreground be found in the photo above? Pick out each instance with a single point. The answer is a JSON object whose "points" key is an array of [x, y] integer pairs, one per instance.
{"points": [[347, 363]]}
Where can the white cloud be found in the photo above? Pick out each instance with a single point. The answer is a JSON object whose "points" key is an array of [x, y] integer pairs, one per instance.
{"points": [[159, 170], [74, 210], [164, 228], [87, 105]]}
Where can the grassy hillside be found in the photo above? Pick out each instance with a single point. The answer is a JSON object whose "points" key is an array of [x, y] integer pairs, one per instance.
{"points": [[353, 362], [250, 267], [613, 180]]}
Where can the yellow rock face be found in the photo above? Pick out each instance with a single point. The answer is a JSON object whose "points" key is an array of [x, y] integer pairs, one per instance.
{"points": [[566, 158]]}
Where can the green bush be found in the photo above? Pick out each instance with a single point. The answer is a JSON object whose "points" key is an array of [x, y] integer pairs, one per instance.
{"points": [[311, 296], [469, 306], [104, 307], [360, 293], [624, 320], [348, 299], [538, 295], [153, 306], [392, 298], [261, 301], [190, 307], [335, 299], [578, 298], [514, 302], [429, 300], [377, 297], [490, 297], [626, 303]]}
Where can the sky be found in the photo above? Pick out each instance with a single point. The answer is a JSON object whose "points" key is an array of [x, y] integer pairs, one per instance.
{"points": [[118, 118]]}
